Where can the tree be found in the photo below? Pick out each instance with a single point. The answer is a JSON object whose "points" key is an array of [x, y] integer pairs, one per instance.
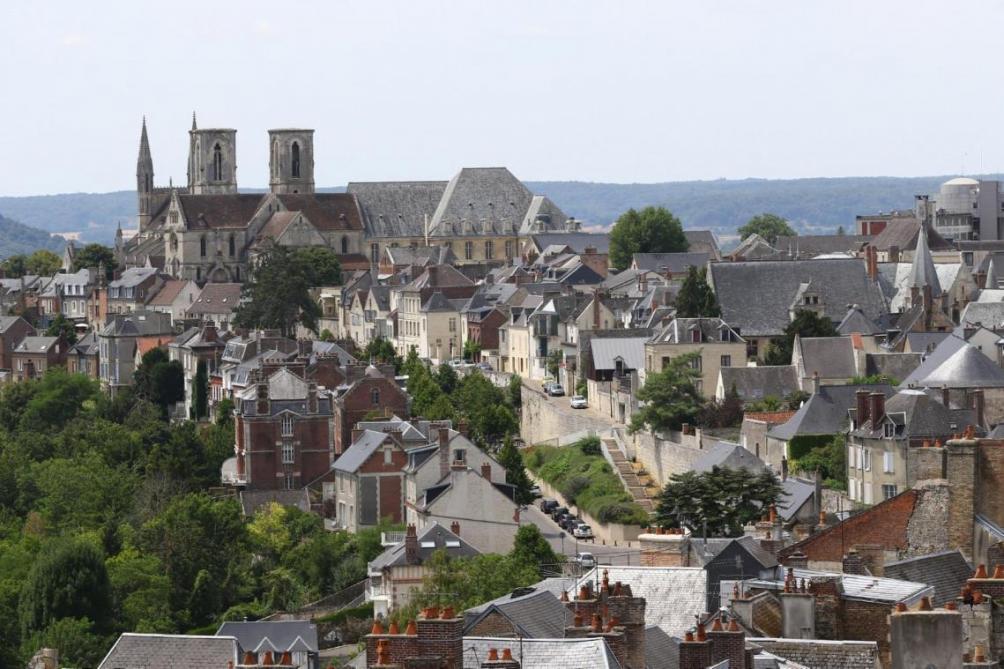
{"points": [[278, 294], [830, 460], [447, 378], [840, 230], [78, 644], [670, 397], [64, 328], [515, 473], [95, 255], [472, 351], [326, 335], [69, 581], [805, 324], [141, 590], [159, 380], [15, 266], [768, 226], [531, 548], [696, 299], [200, 391], [725, 413], [554, 360], [514, 392], [43, 263], [321, 266], [652, 230], [719, 502], [225, 412]]}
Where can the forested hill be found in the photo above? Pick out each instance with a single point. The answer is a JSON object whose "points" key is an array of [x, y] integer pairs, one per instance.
{"points": [[18, 238], [813, 205]]}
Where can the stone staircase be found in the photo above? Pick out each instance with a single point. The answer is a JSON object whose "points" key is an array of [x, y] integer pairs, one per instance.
{"points": [[635, 479]]}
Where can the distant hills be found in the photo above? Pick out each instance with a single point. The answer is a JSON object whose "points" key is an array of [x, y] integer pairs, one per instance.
{"points": [[18, 238], [814, 206]]}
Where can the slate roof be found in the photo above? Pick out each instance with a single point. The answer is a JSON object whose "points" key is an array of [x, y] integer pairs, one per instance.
{"points": [[230, 210], [856, 586], [947, 572], [681, 331], [537, 614], [677, 263], [824, 412], [661, 650], [891, 365], [894, 278], [137, 324], [965, 368], [629, 349], [431, 539], [728, 455], [7, 321], [902, 233], [35, 344], [756, 383], [796, 493], [702, 241], [988, 314], [916, 414], [484, 200], [397, 208], [577, 241], [437, 302], [360, 451], [920, 342], [832, 357], [949, 344], [543, 214], [217, 298], [133, 277], [281, 635], [810, 246], [327, 212], [756, 296], [543, 653], [86, 345], [855, 321], [168, 293], [170, 651], [673, 595], [816, 653]]}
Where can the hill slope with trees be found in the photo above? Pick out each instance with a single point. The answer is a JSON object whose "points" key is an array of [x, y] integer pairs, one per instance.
{"points": [[17, 238]]}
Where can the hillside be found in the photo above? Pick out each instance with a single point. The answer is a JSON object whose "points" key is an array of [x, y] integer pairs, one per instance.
{"points": [[18, 238], [813, 205]]}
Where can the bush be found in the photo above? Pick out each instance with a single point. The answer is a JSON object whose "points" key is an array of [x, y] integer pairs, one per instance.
{"points": [[364, 612], [589, 445], [573, 487]]}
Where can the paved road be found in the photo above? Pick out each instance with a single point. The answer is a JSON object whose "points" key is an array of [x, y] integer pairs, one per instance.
{"points": [[597, 421], [620, 555]]}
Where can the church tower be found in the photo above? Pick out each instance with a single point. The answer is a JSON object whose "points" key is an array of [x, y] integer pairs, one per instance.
{"points": [[144, 179], [291, 161], [212, 160]]}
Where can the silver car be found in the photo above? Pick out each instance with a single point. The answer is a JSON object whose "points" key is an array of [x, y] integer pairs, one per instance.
{"points": [[578, 402]]}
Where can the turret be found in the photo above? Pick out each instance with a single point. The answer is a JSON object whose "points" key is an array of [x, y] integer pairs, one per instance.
{"points": [[291, 160], [144, 179]]}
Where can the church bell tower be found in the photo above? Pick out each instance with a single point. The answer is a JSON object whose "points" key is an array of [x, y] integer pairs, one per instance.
{"points": [[291, 161]]}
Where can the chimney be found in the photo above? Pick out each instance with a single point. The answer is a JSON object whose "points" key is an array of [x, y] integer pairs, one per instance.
{"points": [[978, 406], [876, 407], [728, 642], [664, 548], [462, 427], [441, 634], [815, 383], [961, 473], [862, 406], [596, 309], [798, 614], [695, 650], [262, 407], [894, 253], [853, 564], [455, 527], [926, 638], [928, 298], [872, 557], [486, 471], [411, 545], [784, 468], [356, 433], [312, 397], [444, 452]]}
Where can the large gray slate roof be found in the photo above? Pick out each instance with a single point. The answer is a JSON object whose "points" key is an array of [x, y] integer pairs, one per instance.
{"points": [[756, 296], [577, 241], [360, 451], [947, 572], [917, 414], [537, 614], [170, 651], [485, 200], [756, 383], [730, 456], [433, 538], [824, 412], [397, 208], [677, 263], [278, 635], [965, 368], [543, 653], [832, 357], [606, 351], [988, 314]]}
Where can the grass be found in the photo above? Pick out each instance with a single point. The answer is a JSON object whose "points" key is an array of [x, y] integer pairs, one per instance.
{"points": [[586, 479]]}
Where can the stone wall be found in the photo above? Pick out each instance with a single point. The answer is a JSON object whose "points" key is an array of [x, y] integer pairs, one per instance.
{"points": [[611, 533], [927, 531], [543, 419], [662, 458]]}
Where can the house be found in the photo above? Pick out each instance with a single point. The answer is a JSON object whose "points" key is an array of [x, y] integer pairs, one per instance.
{"points": [[439, 329], [132, 290], [216, 303], [197, 345], [371, 391], [284, 431], [831, 361], [12, 330], [756, 425], [296, 637], [399, 570], [945, 571], [174, 298], [443, 450], [964, 372], [887, 437], [66, 294], [534, 612], [82, 357], [670, 264], [753, 384], [611, 370], [716, 344], [368, 478], [123, 341], [417, 304], [34, 355], [170, 651]]}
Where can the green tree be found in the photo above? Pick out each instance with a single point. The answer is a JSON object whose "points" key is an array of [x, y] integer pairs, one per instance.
{"points": [[768, 226], [326, 335], [447, 378], [159, 380], [830, 460], [225, 412], [15, 266], [62, 327], [68, 581], [531, 548], [95, 255], [321, 266], [79, 645], [472, 351], [381, 350], [43, 263], [805, 324], [81, 492], [651, 230], [720, 502], [278, 294], [725, 413], [514, 392], [670, 397], [200, 391], [696, 298], [554, 360], [141, 591], [515, 473]]}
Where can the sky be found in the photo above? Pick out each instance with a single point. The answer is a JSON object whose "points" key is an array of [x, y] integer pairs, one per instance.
{"points": [[615, 91]]}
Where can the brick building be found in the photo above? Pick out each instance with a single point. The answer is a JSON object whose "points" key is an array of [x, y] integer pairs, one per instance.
{"points": [[374, 393], [284, 433], [369, 479], [12, 330], [34, 355]]}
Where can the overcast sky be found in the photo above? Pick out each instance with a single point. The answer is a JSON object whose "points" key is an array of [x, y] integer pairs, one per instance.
{"points": [[596, 91]]}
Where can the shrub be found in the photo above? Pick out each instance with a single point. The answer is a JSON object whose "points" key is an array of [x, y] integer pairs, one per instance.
{"points": [[589, 445], [573, 487]]}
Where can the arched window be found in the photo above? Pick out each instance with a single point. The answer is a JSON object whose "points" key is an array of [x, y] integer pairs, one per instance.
{"points": [[296, 160], [217, 163], [202, 247], [233, 245], [375, 397], [345, 244], [174, 242]]}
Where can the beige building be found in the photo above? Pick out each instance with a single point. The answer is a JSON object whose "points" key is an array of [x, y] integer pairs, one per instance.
{"points": [[718, 345]]}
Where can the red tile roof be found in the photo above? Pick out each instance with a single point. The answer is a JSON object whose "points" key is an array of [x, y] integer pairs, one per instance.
{"points": [[773, 417]]}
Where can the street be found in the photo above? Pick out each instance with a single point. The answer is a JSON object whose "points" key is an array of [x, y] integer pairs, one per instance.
{"points": [[564, 543]]}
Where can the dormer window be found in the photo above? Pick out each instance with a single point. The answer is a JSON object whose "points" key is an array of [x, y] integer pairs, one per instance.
{"points": [[888, 430]]}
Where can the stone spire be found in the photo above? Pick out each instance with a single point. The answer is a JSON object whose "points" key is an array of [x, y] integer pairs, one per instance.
{"points": [[922, 271], [144, 179], [194, 126], [144, 163]]}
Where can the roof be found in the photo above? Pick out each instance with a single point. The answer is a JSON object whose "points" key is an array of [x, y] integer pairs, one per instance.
{"points": [[965, 368], [168, 293], [606, 351], [902, 234], [577, 241], [486, 200], [730, 456], [922, 272], [796, 493], [756, 383], [217, 298], [818, 653], [397, 208], [133, 277], [824, 412], [702, 240], [673, 595], [437, 302], [169, 651], [36, 344], [945, 348], [894, 278], [682, 330], [433, 538], [772, 417], [676, 263], [810, 246], [661, 650], [855, 321], [753, 310], [359, 452], [543, 653], [832, 357], [327, 212], [229, 210], [278, 635], [988, 314], [891, 365], [537, 614], [947, 572], [856, 586], [138, 324], [915, 414], [6, 322]]}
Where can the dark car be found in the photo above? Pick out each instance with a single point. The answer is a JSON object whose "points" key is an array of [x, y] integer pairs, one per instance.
{"points": [[556, 512], [569, 523], [548, 505]]}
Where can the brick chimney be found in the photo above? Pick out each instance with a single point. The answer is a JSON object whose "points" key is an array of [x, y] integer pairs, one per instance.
{"points": [[695, 650], [411, 545], [664, 548], [728, 642], [312, 397], [486, 471], [629, 612], [853, 564], [455, 527], [356, 433], [960, 469], [979, 404], [876, 409], [262, 404], [442, 636], [861, 396], [444, 452], [926, 638]]}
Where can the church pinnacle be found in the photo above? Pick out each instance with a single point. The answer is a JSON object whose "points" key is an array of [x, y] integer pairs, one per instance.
{"points": [[194, 126], [922, 270], [144, 162]]}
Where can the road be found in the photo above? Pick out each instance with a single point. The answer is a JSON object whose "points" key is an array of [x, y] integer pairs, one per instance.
{"points": [[563, 543]]}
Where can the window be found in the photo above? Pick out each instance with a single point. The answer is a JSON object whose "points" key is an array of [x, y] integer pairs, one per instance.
{"points": [[295, 152], [726, 361], [888, 460], [388, 456], [287, 452], [375, 397], [217, 162], [374, 253], [202, 246], [489, 249], [287, 425], [290, 481], [198, 274], [508, 249], [275, 159], [232, 243], [695, 364], [889, 430], [460, 455], [453, 325], [345, 244], [866, 459], [888, 491], [468, 250]]}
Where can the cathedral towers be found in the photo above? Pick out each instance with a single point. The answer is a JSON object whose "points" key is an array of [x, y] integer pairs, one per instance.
{"points": [[291, 161], [212, 160]]}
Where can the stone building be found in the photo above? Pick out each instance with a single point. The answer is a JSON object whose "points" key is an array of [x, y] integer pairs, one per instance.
{"points": [[375, 393]]}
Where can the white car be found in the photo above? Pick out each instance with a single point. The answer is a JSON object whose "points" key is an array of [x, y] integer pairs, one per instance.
{"points": [[586, 560], [583, 532], [578, 402]]}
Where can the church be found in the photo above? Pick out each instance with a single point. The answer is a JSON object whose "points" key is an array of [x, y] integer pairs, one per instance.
{"points": [[209, 231]]}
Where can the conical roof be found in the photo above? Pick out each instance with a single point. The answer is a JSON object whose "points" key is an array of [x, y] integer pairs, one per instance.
{"points": [[966, 368], [144, 163], [922, 272]]}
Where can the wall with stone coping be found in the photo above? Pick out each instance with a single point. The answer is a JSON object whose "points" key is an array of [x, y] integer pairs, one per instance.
{"points": [[611, 533], [541, 418]]}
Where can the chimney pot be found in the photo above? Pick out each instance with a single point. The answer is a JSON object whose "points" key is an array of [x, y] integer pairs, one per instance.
{"points": [[981, 571], [411, 629], [493, 655], [377, 627], [506, 655]]}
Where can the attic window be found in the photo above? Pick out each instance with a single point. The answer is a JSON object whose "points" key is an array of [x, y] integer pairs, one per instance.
{"points": [[428, 544], [889, 430], [452, 543]]}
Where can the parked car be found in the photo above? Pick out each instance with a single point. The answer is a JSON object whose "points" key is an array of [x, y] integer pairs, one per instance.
{"points": [[586, 560], [558, 511], [583, 531], [555, 390], [456, 363], [484, 366], [568, 523], [535, 491], [548, 505], [578, 402]]}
